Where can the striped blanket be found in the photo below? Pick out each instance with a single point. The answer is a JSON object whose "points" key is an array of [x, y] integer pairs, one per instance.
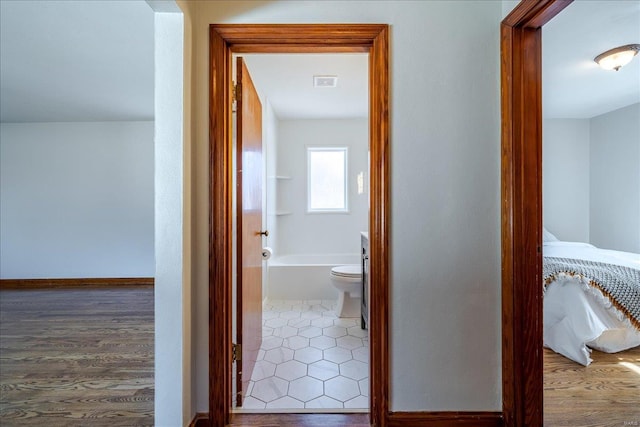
{"points": [[619, 284]]}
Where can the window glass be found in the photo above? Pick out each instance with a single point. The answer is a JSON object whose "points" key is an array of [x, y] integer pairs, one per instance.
{"points": [[327, 179]]}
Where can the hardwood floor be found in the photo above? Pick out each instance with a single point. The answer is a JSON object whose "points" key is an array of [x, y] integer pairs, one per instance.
{"points": [[84, 357], [299, 420], [604, 394], [76, 357]]}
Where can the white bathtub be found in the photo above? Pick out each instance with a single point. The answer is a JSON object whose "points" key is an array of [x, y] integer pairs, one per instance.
{"points": [[304, 277]]}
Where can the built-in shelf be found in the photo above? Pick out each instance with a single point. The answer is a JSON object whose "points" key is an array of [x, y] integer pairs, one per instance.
{"points": [[280, 212]]}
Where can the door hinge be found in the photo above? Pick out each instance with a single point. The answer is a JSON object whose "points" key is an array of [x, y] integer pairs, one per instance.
{"points": [[236, 350], [237, 92]]}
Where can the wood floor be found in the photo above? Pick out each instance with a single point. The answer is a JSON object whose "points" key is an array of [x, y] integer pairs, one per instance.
{"points": [[604, 394], [85, 358], [299, 420], [76, 357]]}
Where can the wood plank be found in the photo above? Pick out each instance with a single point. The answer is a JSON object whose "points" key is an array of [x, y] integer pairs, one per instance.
{"points": [[220, 233], [300, 420], [605, 394], [316, 35], [249, 226], [201, 419], [379, 214], [445, 419], [94, 282], [77, 357]]}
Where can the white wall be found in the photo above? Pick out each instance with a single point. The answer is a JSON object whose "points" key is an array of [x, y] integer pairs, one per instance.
{"points": [[445, 186], [591, 179], [320, 233], [565, 178], [270, 141], [76, 200], [615, 179], [175, 351]]}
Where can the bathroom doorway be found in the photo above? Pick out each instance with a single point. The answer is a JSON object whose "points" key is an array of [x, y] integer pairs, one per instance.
{"points": [[226, 39], [308, 347]]}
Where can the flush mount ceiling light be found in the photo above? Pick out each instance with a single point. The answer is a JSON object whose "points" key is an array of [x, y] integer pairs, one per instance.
{"points": [[325, 81], [615, 58]]}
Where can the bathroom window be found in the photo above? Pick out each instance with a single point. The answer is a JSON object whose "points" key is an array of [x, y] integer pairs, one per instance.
{"points": [[327, 179]]}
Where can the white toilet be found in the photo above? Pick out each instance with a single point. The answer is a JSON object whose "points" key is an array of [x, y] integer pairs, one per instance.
{"points": [[347, 279]]}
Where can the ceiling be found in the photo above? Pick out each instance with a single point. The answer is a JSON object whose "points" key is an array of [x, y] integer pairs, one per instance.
{"points": [[286, 81], [93, 60], [76, 61], [574, 86]]}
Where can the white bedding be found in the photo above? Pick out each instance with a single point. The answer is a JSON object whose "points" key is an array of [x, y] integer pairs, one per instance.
{"points": [[577, 317]]}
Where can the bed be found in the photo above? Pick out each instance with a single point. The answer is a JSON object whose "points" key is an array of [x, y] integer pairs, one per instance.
{"points": [[582, 312]]}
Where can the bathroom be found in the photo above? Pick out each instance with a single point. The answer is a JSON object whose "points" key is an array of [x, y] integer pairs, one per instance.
{"points": [[314, 353]]}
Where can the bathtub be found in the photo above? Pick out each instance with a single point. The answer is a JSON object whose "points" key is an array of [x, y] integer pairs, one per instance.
{"points": [[304, 277]]}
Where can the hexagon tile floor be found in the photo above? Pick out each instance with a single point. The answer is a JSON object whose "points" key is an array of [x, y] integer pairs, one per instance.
{"points": [[309, 359]]}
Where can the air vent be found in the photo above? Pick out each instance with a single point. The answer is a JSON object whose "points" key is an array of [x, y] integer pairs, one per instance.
{"points": [[325, 81]]}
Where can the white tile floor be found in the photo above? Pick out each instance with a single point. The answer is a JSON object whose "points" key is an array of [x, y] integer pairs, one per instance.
{"points": [[309, 359]]}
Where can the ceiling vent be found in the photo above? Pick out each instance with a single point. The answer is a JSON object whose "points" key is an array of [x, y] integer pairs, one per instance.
{"points": [[325, 81]]}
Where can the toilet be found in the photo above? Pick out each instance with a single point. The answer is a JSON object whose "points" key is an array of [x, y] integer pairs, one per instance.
{"points": [[347, 279]]}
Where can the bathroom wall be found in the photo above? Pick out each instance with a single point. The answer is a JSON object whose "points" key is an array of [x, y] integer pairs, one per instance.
{"points": [[300, 232], [269, 151]]}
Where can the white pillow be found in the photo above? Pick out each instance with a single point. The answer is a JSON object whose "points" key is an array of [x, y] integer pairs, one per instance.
{"points": [[547, 236]]}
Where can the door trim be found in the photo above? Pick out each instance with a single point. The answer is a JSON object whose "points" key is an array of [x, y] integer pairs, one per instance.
{"points": [[521, 206], [313, 38]]}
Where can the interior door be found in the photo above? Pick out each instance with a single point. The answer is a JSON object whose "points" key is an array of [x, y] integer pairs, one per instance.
{"points": [[249, 223]]}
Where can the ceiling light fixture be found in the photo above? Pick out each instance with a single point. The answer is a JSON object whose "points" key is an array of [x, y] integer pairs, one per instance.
{"points": [[615, 58], [325, 81]]}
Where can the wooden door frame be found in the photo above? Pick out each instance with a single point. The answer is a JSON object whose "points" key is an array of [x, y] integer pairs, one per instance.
{"points": [[226, 39], [521, 199]]}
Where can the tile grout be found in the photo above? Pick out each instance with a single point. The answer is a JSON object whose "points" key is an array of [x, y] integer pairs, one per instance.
{"points": [[346, 377]]}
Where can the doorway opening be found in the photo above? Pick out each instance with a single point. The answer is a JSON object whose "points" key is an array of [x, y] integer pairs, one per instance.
{"points": [[225, 41], [304, 342]]}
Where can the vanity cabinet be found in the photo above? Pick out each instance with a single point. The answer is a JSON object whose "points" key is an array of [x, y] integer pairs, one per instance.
{"points": [[364, 307]]}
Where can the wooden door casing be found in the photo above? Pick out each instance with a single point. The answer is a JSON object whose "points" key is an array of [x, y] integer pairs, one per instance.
{"points": [[225, 39], [521, 198]]}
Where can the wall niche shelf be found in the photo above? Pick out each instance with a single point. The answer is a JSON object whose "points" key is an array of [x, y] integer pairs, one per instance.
{"points": [[279, 200]]}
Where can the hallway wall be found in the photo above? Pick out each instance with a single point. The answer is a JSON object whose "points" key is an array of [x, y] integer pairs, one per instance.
{"points": [[445, 187]]}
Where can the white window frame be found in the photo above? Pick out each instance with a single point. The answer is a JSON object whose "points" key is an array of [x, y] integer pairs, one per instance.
{"points": [[312, 149]]}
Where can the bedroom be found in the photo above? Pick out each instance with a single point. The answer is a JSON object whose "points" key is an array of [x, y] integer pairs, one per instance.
{"points": [[591, 196], [76, 210]]}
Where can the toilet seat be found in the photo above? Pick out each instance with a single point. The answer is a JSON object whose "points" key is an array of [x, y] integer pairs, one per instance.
{"points": [[348, 271]]}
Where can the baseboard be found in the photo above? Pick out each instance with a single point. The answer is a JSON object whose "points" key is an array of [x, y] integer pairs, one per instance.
{"points": [[407, 419], [201, 419], [75, 283], [444, 419]]}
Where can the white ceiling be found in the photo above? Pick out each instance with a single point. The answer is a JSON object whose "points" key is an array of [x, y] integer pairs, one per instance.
{"points": [[286, 81], [76, 61], [574, 86], [93, 60]]}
